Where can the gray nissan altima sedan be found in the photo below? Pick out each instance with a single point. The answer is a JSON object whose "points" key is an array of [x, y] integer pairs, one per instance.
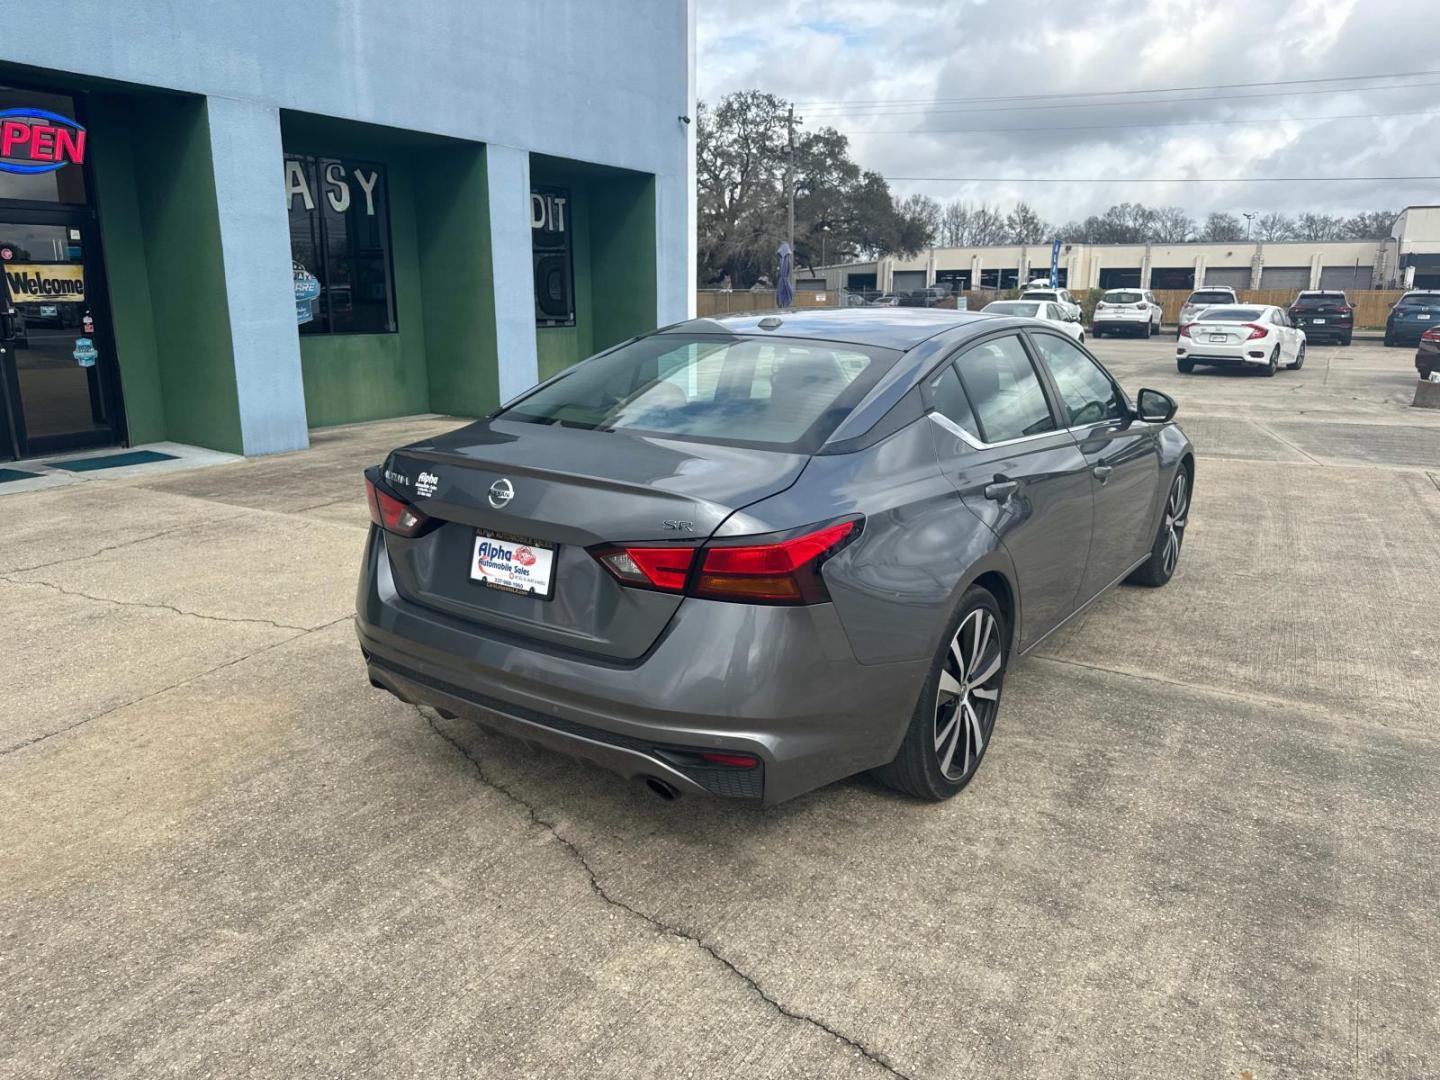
{"points": [[748, 556]]}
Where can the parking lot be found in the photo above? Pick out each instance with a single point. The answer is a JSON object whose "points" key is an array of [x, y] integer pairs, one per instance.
{"points": [[1202, 845]]}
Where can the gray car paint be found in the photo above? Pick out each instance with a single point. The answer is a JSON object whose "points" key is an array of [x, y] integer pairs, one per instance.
{"points": [[817, 692]]}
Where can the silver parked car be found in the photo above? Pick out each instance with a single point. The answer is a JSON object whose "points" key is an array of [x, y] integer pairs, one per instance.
{"points": [[749, 556]]}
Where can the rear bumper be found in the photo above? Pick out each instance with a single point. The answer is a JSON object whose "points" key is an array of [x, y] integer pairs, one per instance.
{"points": [[1111, 323], [779, 683], [1325, 330], [1224, 356]]}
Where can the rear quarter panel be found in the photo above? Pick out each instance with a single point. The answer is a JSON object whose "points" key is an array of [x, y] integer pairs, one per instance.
{"points": [[895, 587]]}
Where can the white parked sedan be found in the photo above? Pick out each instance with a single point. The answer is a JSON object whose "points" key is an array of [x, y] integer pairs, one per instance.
{"points": [[1060, 296], [1044, 310], [1241, 335]]}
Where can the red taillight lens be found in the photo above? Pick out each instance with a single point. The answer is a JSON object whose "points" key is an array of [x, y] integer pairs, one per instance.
{"points": [[1185, 330], [1141, 307], [391, 514], [1431, 335], [663, 568], [785, 572], [733, 761], [1256, 331], [1342, 310]]}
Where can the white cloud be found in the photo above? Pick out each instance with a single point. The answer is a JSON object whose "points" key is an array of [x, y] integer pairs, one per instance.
{"points": [[893, 51]]}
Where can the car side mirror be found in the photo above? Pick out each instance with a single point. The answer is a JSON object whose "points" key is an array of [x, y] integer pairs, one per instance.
{"points": [[1153, 407]]}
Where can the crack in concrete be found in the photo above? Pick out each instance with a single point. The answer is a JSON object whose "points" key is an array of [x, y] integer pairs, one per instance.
{"points": [[166, 689], [659, 925], [122, 544], [155, 607]]}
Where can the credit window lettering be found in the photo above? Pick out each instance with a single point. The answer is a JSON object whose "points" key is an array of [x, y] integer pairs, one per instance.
{"points": [[340, 245]]}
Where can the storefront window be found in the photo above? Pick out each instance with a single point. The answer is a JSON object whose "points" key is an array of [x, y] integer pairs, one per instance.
{"points": [[551, 226], [42, 147], [340, 245]]}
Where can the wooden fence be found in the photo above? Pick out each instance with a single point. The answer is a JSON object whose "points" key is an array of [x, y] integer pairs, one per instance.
{"points": [[1371, 306]]}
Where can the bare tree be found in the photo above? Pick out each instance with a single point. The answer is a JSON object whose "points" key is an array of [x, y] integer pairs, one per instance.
{"points": [[1222, 229], [1370, 225], [1171, 225], [1274, 226], [1025, 226], [924, 214], [987, 226], [1309, 226]]}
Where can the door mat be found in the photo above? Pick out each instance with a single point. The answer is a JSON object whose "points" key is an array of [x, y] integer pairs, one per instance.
{"points": [[6, 475], [110, 461]]}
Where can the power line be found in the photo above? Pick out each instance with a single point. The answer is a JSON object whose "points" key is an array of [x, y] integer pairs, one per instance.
{"points": [[1126, 127], [1116, 93], [1156, 180], [1122, 104]]}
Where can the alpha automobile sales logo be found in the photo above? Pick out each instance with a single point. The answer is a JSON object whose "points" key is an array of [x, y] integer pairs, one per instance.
{"points": [[37, 141], [524, 556]]}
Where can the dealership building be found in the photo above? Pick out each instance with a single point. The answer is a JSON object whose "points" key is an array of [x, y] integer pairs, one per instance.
{"points": [[225, 226], [1408, 258]]}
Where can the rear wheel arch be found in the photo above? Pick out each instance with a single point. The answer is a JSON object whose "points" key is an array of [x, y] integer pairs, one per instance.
{"points": [[1001, 586]]}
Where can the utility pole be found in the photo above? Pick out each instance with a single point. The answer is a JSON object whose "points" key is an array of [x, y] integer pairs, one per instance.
{"points": [[1247, 215], [790, 177]]}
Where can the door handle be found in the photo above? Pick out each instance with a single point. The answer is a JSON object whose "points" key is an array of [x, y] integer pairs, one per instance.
{"points": [[1001, 490], [1101, 472]]}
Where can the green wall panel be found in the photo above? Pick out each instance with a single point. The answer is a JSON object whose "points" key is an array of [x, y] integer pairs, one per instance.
{"points": [[457, 276], [126, 269], [613, 218], [175, 188], [354, 377]]}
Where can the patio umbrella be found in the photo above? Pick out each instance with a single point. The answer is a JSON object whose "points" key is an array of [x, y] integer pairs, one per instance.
{"points": [[784, 290]]}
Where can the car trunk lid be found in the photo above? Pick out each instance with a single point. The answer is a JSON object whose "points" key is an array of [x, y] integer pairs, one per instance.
{"points": [[558, 492]]}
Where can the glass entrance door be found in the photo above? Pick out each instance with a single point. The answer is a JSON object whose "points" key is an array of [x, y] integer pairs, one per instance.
{"points": [[56, 375]]}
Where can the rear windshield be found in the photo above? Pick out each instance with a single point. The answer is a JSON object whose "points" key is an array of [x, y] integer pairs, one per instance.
{"points": [[1319, 299], [1233, 315], [1037, 294], [1210, 298], [1123, 297], [1013, 307], [771, 392], [1418, 303]]}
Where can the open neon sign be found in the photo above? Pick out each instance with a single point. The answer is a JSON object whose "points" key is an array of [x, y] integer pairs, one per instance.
{"points": [[39, 141]]}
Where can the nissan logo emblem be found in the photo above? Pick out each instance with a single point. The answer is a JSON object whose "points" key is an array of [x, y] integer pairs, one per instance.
{"points": [[501, 492]]}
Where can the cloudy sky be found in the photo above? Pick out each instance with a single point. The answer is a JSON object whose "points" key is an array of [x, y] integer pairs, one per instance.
{"points": [[895, 74]]}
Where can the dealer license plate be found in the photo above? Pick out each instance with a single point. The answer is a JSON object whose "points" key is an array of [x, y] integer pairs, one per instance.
{"points": [[1422, 316], [1317, 322], [1219, 338], [513, 564]]}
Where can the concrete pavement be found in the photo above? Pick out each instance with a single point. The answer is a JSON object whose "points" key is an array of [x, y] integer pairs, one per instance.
{"points": [[1202, 843]]}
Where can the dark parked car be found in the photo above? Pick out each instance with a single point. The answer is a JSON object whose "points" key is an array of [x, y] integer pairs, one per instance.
{"points": [[1427, 357], [1324, 315], [749, 556], [1413, 314]]}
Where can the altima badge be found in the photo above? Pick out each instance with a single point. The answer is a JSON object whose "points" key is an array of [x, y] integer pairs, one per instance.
{"points": [[501, 492]]}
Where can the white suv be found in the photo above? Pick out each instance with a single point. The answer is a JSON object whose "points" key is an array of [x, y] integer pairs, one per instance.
{"points": [[1202, 298], [1055, 296], [1132, 310]]}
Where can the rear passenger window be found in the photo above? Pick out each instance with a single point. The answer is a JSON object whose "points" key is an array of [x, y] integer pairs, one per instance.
{"points": [[1004, 390], [948, 398]]}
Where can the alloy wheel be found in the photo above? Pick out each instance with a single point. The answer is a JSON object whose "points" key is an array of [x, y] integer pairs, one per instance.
{"points": [[1177, 509], [968, 696]]}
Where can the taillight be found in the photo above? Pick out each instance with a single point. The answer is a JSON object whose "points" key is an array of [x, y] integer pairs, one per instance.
{"points": [[393, 515], [1432, 335], [784, 571], [662, 568], [1185, 330], [1344, 310], [1256, 331], [1141, 307]]}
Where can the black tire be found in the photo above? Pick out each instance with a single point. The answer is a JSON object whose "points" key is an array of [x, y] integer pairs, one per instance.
{"points": [[1299, 359], [1159, 568], [1269, 370], [1097, 332], [1389, 341], [1147, 331], [1345, 340], [1185, 366], [947, 723], [1082, 337]]}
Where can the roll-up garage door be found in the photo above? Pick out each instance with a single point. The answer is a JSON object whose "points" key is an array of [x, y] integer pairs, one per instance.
{"points": [[1237, 277], [908, 281], [1285, 277], [1346, 277]]}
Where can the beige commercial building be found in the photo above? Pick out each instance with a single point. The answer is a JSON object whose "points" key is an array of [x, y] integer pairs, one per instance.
{"points": [[1408, 258]]}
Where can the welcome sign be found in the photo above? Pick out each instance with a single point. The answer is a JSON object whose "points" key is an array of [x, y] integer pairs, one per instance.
{"points": [[50, 282]]}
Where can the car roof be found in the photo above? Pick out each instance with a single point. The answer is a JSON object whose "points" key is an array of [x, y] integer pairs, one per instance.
{"points": [[1239, 306], [1213, 288], [891, 328]]}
